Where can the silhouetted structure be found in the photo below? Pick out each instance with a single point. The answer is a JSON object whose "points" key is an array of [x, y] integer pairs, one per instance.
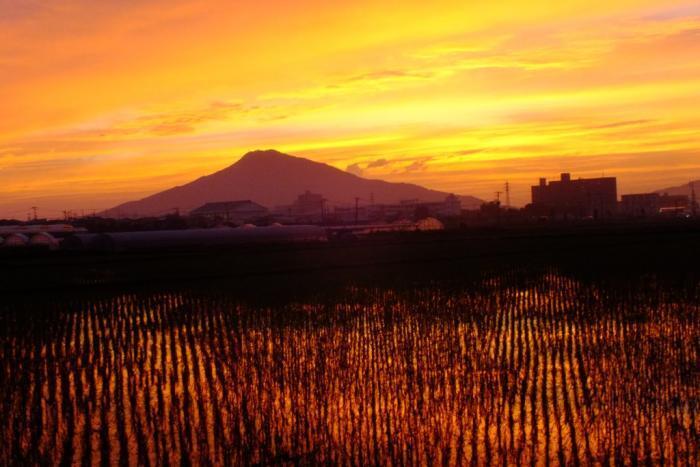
{"points": [[416, 209], [274, 179], [640, 205], [232, 211], [451, 207], [308, 203], [194, 238], [653, 204], [351, 214], [16, 239], [44, 240], [593, 197], [491, 211], [674, 203]]}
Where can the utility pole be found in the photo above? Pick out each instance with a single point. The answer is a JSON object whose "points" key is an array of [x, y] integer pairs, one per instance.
{"points": [[498, 207], [507, 195], [34, 209], [66, 214], [357, 209]]}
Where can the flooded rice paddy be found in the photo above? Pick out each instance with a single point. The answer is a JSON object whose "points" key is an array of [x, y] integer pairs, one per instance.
{"points": [[508, 369]]}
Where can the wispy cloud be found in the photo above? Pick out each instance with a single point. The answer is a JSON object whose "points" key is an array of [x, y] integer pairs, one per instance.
{"points": [[135, 96], [419, 165], [378, 163], [355, 169]]}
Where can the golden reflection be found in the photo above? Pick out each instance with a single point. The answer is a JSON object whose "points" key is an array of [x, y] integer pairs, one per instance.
{"points": [[502, 371]]}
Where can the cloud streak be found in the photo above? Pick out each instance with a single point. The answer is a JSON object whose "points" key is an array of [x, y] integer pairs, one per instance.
{"points": [[135, 96]]}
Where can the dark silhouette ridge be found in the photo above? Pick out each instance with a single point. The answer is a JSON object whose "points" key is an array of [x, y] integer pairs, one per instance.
{"points": [[272, 178], [683, 189]]}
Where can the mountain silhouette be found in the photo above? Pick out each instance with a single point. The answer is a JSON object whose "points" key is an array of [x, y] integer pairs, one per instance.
{"points": [[682, 189], [274, 179]]}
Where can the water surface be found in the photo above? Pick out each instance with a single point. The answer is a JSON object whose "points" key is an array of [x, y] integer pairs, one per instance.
{"points": [[510, 368]]}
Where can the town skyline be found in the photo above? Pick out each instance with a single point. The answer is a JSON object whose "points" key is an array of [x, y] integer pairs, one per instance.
{"points": [[274, 181], [325, 232], [299, 175], [111, 101]]}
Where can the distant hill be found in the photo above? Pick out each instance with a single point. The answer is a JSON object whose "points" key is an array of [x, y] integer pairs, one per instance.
{"points": [[273, 179], [682, 189]]}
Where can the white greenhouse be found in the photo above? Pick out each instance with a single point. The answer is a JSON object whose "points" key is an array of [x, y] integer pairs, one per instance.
{"points": [[173, 239], [44, 239]]}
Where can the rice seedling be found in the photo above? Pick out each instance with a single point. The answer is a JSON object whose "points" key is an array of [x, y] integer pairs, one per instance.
{"points": [[516, 368]]}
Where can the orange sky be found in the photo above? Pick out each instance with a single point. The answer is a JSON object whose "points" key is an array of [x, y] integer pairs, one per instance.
{"points": [[104, 102]]}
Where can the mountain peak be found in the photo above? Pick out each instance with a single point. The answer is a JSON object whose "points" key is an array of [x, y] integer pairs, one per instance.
{"points": [[263, 153], [272, 178]]}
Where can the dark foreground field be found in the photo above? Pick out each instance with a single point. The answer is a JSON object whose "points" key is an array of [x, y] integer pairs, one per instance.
{"points": [[574, 350], [670, 247]]}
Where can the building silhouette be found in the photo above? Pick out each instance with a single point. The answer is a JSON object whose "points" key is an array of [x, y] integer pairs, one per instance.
{"points": [[415, 209], [239, 212], [308, 203], [591, 197], [640, 204]]}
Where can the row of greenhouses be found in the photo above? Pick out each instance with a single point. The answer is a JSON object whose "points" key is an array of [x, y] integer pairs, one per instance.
{"points": [[166, 239], [37, 239]]}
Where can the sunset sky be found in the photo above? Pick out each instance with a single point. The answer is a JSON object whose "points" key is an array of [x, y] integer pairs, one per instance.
{"points": [[107, 101]]}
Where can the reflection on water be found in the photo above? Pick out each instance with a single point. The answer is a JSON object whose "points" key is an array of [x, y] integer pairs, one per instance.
{"points": [[506, 370]]}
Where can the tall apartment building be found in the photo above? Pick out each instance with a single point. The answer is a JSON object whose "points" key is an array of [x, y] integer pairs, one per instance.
{"points": [[591, 197]]}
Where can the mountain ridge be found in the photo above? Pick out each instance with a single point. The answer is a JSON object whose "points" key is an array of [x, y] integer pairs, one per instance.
{"points": [[272, 178], [683, 189]]}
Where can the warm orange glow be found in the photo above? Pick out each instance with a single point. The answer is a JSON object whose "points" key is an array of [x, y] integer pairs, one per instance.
{"points": [[494, 373], [103, 102]]}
